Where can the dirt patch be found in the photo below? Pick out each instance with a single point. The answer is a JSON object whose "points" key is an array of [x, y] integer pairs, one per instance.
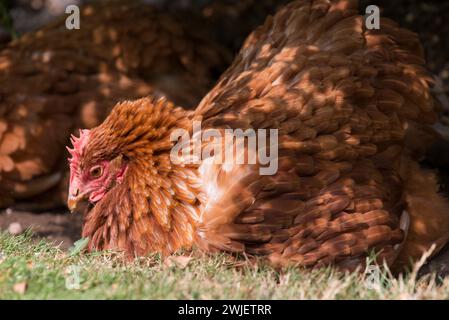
{"points": [[58, 227]]}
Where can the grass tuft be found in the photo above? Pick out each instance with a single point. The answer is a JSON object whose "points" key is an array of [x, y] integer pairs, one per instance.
{"points": [[39, 270]]}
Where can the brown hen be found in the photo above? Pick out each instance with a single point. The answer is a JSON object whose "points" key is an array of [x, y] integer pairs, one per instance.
{"points": [[56, 80], [342, 98]]}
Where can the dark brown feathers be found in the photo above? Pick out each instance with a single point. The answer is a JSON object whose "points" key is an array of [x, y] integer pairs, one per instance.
{"points": [[341, 97]]}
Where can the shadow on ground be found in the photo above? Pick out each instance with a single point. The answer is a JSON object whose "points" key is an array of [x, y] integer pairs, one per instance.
{"points": [[58, 227]]}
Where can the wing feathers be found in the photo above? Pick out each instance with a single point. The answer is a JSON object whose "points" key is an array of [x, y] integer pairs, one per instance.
{"points": [[340, 96]]}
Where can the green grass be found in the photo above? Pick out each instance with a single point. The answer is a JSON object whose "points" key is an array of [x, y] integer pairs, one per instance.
{"points": [[39, 270]]}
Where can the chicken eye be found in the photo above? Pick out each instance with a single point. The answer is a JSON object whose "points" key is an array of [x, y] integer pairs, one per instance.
{"points": [[96, 171]]}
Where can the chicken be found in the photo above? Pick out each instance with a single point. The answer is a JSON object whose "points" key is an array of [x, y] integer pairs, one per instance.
{"points": [[342, 99], [56, 80]]}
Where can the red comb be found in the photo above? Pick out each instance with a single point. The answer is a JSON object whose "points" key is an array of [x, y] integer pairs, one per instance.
{"points": [[78, 144]]}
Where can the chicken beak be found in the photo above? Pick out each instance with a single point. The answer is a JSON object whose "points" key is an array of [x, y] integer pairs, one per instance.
{"points": [[76, 203]]}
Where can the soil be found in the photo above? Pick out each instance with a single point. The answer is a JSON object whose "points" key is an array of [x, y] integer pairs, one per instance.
{"points": [[61, 228]]}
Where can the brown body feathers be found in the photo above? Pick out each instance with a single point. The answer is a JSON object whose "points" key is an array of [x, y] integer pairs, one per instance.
{"points": [[342, 98]]}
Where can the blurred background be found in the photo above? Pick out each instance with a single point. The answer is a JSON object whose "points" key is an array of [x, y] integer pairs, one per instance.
{"points": [[428, 18]]}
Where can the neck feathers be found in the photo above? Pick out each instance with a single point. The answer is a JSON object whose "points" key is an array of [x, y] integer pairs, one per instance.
{"points": [[156, 206]]}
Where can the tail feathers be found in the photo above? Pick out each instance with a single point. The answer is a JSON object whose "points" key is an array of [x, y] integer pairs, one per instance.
{"points": [[428, 212], [404, 225]]}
